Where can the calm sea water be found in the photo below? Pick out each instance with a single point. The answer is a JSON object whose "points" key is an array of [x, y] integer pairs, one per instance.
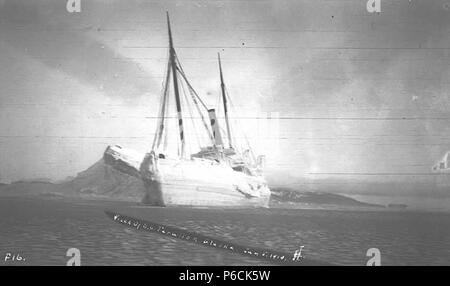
{"points": [[41, 231]]}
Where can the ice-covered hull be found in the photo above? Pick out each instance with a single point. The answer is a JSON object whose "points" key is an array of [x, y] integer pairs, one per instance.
{"points": [[196, 182], [182, 195]]}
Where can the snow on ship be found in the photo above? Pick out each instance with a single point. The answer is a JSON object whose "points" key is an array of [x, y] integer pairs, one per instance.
{"points": [[215, 173]]}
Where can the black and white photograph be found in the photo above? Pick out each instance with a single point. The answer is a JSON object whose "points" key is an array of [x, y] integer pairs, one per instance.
{"points": [[231, 133]]}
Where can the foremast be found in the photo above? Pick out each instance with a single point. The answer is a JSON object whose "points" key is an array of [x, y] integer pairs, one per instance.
{"points": [[225, 106], [173, 66], [180, 86]]}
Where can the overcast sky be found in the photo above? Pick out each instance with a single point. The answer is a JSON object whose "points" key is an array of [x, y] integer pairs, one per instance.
{"points": [[359, 96]]}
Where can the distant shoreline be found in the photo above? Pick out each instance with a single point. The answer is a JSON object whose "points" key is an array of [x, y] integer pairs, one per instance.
{"points": [[281, 198]]}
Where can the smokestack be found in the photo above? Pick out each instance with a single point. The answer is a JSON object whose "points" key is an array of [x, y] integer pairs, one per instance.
{"points": [[215, 127]]}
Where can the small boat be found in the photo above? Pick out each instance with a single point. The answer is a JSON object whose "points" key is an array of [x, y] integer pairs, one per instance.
{"points": [[444, 164], [397, 206], [218, 173]]}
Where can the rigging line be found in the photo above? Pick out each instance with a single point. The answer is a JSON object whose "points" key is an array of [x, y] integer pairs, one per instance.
{"points": [[163, 118], [218, 111], [190, 113], [180, 68], [166, 122], [164, 108], [181, 154], [179, 143], [219, 102], [193, 94], [160, 122], [243, 133], [205, 124]]}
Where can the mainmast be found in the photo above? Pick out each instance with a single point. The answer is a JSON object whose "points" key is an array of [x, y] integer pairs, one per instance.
{"points": [[175, 87], [224, 98]]}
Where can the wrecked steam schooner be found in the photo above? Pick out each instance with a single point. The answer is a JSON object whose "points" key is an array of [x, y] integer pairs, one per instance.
{"points": [[217, 173]]}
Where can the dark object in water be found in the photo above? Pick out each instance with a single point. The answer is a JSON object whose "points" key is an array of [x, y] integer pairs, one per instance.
{"points": [[318, 198], [174, 232], [397, 206]]}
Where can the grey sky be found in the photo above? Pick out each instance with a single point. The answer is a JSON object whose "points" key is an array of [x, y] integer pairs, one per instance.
{"points": [[357, 93]]}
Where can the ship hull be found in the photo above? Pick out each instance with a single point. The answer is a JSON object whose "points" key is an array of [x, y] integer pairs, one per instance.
{"points": [[207, 196], [196, 182]]}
